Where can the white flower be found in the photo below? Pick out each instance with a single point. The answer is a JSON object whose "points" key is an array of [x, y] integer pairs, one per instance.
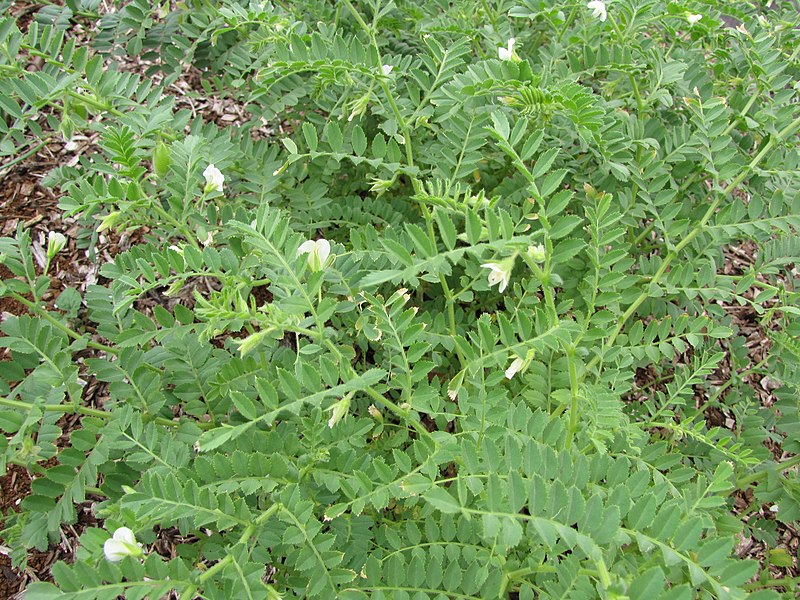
{"points": [[515, 368], [508, 52], [121, 544], [387, 69], [598, 9], [55, 243], [774, 508], [318, 252], [693, 18], [214, 178], [500, 273]]}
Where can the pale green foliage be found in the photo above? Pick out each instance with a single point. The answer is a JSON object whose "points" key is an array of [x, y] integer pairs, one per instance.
{"points": [[633, 151]]}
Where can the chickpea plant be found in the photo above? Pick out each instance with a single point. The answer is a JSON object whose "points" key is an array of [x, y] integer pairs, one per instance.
{"points": [[444, 314]]}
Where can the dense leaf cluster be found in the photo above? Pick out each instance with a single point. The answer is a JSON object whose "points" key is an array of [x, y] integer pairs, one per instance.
{"points": [[391, 425]]}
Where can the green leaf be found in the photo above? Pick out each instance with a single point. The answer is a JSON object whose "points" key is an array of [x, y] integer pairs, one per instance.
{"points": [[500, 123], [474, 227], [333, 135], [647, 585], [531, 145], [441, 500], [446, 229], [290, 145], [310, 135], [244, 405], [544, 162], [359, 140]]}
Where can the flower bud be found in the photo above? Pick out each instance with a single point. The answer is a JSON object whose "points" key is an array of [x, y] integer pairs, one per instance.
{"points": [[162, 158], [109, 221], [55, 243], [252, 341], [537, 253], [516, 367], [338, 411], [375, 413]]}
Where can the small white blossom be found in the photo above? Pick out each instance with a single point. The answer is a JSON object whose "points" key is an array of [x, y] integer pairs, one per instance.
{"points": [[318, 252], [693, 18], [214, 178], [121, 544], [774, 508], [515, 368], [598, 8], [500, 273], [55, 243], [508, 52], [386, 69]]}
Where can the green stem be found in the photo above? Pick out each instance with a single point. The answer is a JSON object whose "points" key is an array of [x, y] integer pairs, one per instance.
{"points": [[693, 234], [574, 397], [58, 324], [520, 573], [83, 410], [267, 514], [787, 582], [450, 300], [636, 94], [187, 234], [745, 481], [64, 408], [188, 593], [742, 113], [733, 378], [567, 23], [403, 414], [644, 233], [7, 166], [215, 568], [489, 13], [401, 122], [358, 18], [95, 104], [631, 78], [406, 135]]}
